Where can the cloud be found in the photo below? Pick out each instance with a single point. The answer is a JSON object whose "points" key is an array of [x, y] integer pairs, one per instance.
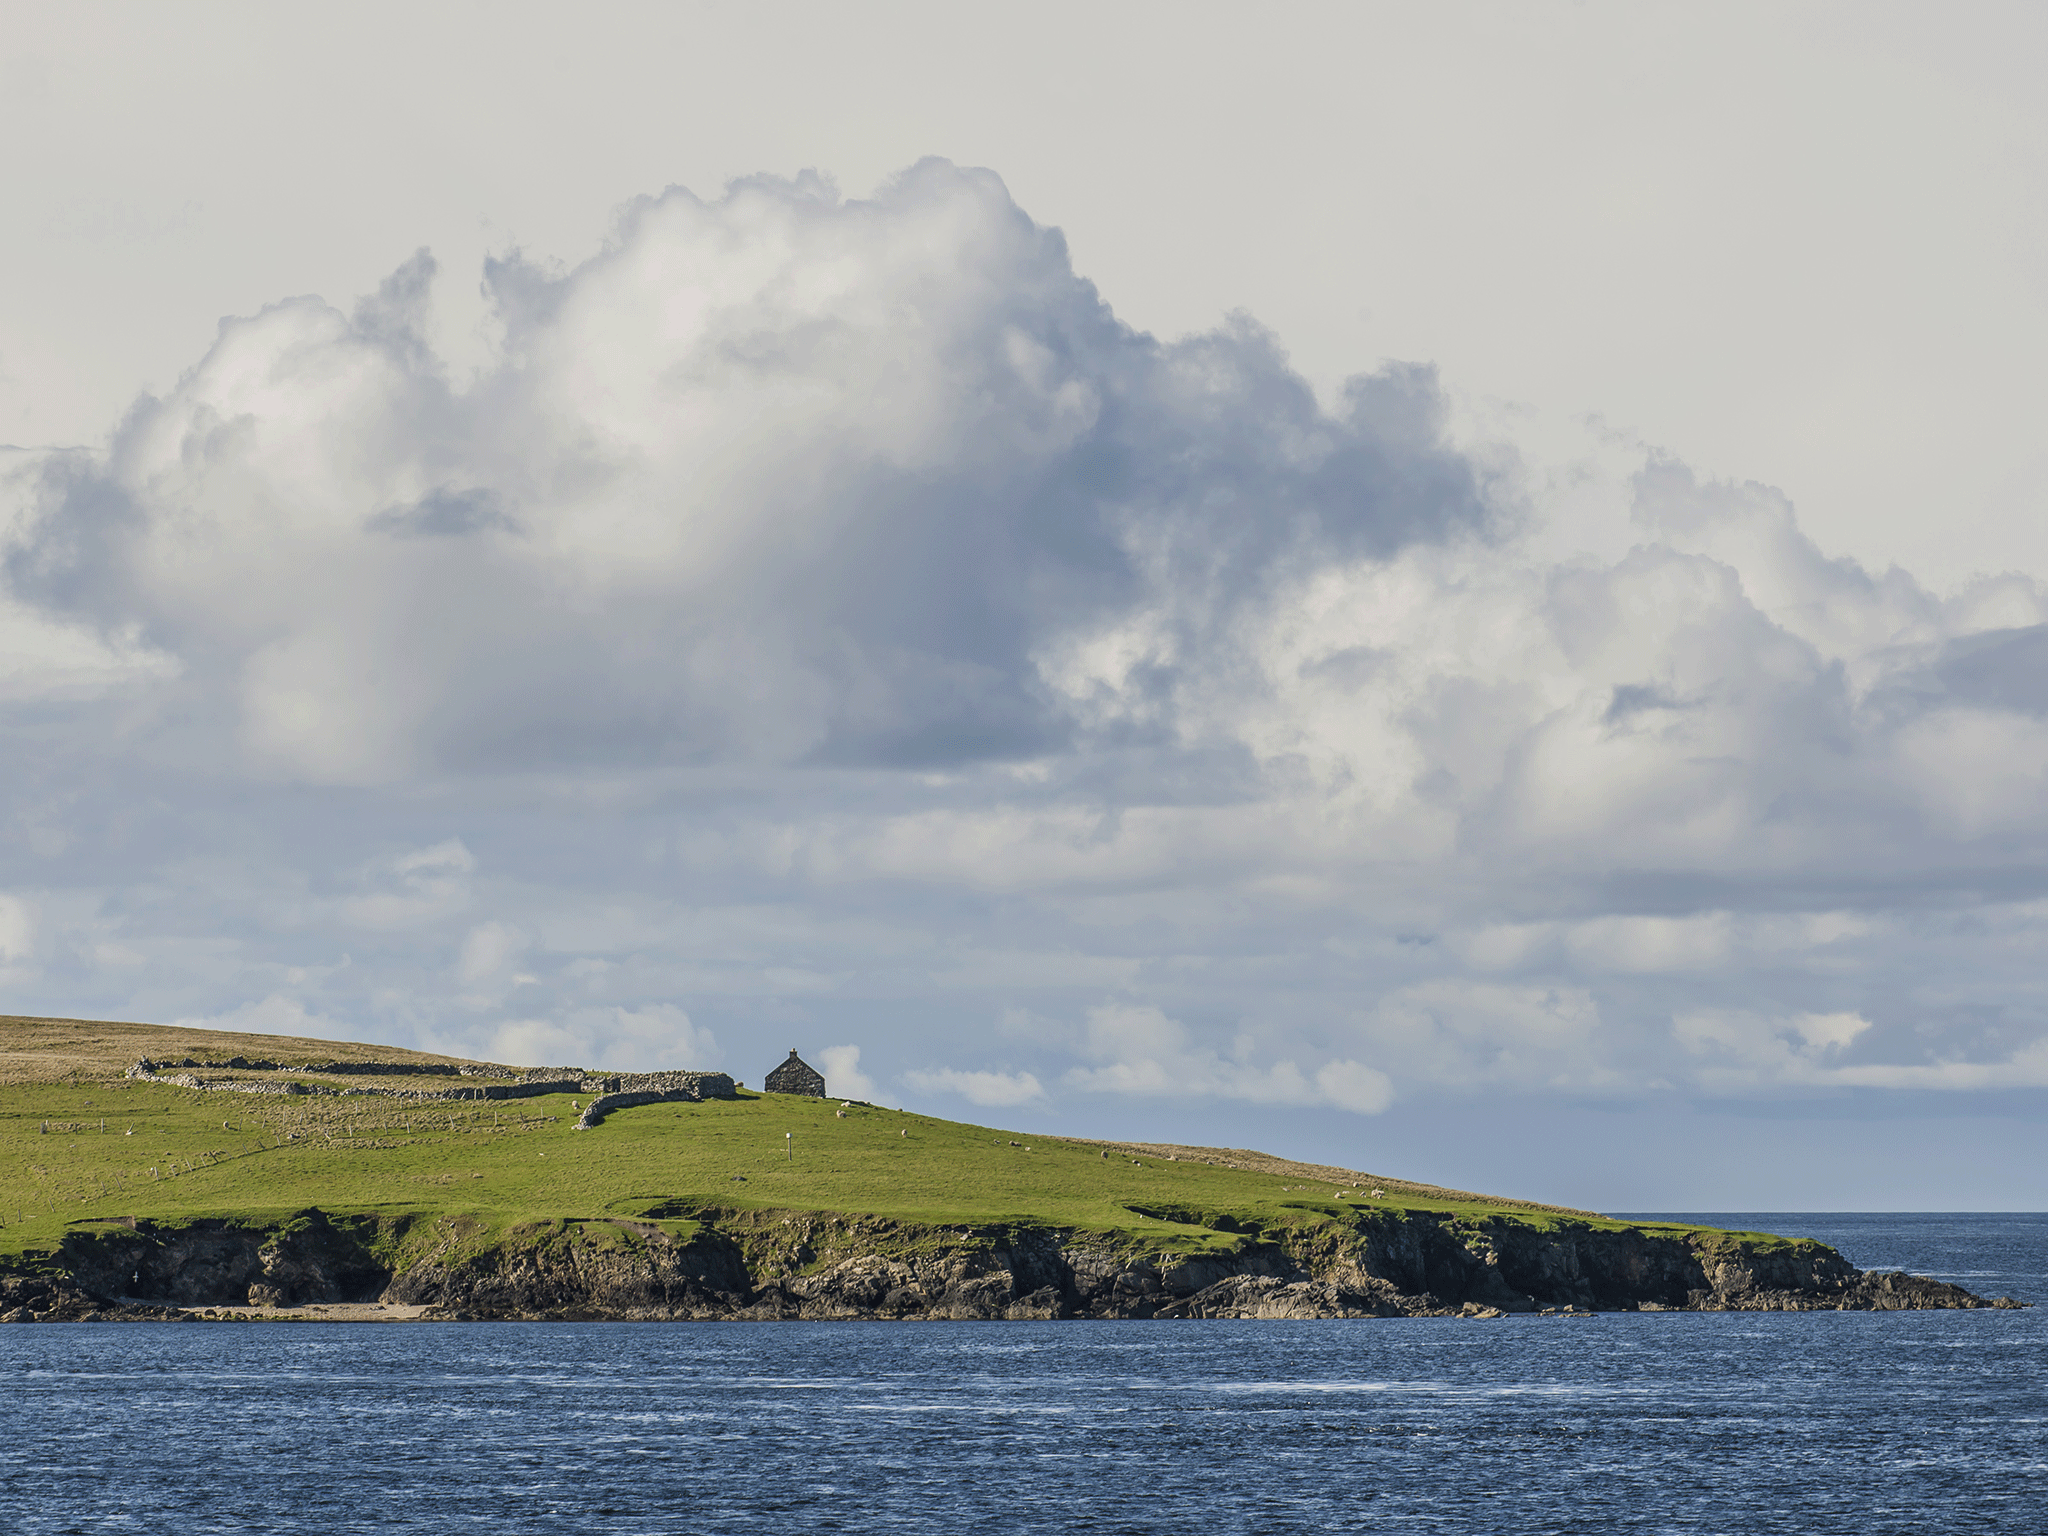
{"points": [[1143, 1052], [277, 1014], [778, 478], [991, 1090], [17, 929], [843, 1076], [658, 1037], [1799, 1047], [827, 613], [1462, 1033], [1699, 942], [488, 953], [1744, 1052], [417, 888]]}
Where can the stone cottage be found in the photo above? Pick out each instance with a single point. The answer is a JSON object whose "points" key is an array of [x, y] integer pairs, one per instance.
{"points": [[796, 1076]]}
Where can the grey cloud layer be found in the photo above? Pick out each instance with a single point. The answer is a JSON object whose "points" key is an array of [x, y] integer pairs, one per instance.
{"points": [[827, 615]]}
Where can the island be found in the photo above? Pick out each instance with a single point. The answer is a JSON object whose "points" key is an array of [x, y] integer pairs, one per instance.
{"points": [[159, 1173]]}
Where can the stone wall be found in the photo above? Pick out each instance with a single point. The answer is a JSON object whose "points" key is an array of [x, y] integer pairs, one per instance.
{"points": [[530, 1089], [230, 1085], [616, 1092], [145, 1067], [651, 1082], [661, 1088]]}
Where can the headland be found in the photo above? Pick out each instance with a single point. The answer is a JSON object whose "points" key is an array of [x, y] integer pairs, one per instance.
{"points": [[160, 1173]]}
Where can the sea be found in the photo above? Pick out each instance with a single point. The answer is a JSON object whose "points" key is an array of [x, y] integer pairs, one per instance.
{"points": [[1681, 1422]]}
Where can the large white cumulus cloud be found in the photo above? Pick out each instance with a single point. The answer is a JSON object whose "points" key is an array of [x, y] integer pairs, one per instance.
{"points": [[825, 615], [776, 479]]}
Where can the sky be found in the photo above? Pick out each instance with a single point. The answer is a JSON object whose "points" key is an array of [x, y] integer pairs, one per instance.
{"points": [[1459, 591]]}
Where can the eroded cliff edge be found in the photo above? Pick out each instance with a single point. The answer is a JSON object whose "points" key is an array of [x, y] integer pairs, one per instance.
{"points": [[701, 1262]]}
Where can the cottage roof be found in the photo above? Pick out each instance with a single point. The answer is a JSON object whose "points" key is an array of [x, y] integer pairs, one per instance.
{"points": [[796, 1076]]}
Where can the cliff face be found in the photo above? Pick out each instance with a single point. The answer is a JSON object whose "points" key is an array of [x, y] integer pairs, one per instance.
{"points": [[810, 1265], [216, 1263]]}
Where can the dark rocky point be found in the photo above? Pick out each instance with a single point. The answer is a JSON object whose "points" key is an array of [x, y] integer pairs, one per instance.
{"points": [[815, 1266]]}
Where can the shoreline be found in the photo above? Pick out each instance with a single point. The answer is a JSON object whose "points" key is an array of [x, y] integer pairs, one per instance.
{"points": [[813, 1266]]}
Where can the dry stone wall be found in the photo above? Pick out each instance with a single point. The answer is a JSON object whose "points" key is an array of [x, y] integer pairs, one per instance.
{"points": [[620, 1091], [352, 1068], [653, 1088]]}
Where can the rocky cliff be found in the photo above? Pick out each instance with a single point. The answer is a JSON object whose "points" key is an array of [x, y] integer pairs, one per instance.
{"points": [[714, 1263]]}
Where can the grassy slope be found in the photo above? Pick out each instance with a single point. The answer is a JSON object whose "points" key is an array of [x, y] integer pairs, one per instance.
{"points": [[493, 1167], [56, 1050]]}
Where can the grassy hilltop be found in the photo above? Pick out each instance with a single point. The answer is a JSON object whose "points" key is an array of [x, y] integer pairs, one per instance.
{"points": [[87, 1147]]}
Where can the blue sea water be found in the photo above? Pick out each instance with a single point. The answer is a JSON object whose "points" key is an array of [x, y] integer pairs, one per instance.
{"points": [[1731, 1422]]}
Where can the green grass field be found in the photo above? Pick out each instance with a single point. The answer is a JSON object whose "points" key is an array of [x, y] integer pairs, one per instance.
{"points": [[80, 1146]]}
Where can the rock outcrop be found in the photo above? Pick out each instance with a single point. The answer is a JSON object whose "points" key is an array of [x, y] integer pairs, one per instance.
{"points": [[220, 1263], [54, 1299], [700, 1263]]}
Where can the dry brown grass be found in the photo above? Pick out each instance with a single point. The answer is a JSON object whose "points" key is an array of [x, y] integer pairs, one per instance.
{"points": [[56, 1050], [1343, 1178]]}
